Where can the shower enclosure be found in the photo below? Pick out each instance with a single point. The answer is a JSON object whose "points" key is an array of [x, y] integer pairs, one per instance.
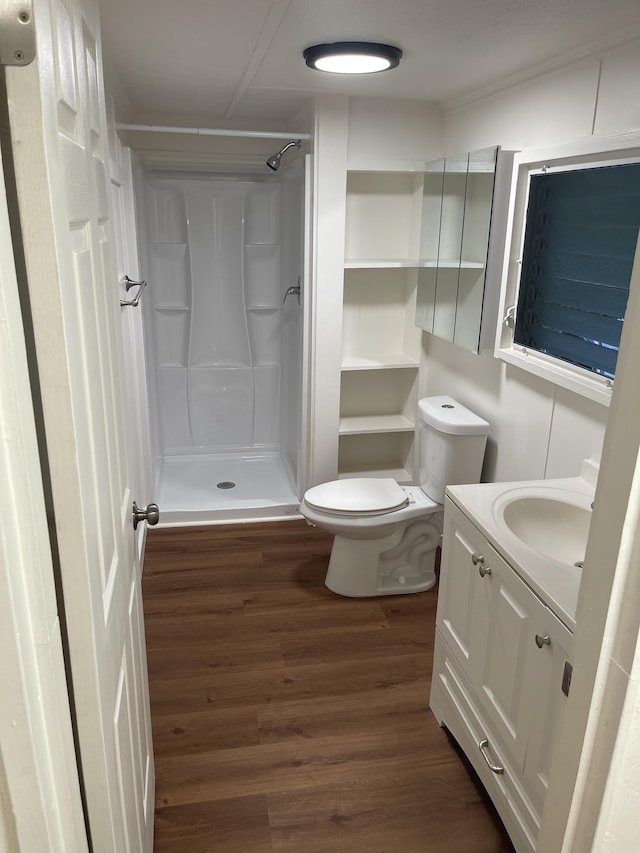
{"points": [[224, 347]]}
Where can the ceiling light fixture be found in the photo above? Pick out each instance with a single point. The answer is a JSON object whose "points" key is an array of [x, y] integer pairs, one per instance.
{"points": [[352, 57]]}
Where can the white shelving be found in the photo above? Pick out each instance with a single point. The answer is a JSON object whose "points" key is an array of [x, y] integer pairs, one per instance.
{"points": [[375, 423], [380, 344]]}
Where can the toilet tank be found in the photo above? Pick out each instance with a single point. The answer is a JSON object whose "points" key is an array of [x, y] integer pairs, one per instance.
{"points": [[451, 445]]}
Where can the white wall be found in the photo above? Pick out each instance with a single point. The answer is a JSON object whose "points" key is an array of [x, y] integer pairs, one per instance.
{"points": [[393, 129], [537, 430]]}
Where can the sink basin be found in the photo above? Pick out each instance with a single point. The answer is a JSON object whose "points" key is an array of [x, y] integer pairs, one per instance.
{"points": [[551, 522]]}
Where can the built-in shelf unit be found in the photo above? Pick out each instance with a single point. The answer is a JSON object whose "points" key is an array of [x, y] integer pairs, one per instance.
{"points": [[380, 344], [422, 251]]}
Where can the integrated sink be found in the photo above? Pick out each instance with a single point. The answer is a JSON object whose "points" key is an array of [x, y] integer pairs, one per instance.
{"points": [[550, 521], [540, 528]]}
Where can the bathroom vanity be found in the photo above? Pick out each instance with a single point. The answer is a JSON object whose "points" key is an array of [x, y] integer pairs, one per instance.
{"points": [[506, 613]]}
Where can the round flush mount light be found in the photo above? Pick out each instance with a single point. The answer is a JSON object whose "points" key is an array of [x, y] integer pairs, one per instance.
{"points": [[352, 57]]}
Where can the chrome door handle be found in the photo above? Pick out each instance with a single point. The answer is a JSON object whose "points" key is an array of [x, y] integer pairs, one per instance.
{"points": [[477, 558], [151, 514], [543, 640], [484, 570], [483, 745]]}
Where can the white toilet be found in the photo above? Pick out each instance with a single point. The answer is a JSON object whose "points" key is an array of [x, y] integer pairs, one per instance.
{"points": [[386, 535]]}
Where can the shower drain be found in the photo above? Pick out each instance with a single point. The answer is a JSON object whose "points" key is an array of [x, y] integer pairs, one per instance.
{"points": [[226, 484]]}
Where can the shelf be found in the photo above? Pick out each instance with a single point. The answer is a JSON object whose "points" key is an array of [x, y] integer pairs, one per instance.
{"points": [[176, 308], [380, 263], [400, 475], [379, 361], [375, 423], [408, 263], [444, 263]]}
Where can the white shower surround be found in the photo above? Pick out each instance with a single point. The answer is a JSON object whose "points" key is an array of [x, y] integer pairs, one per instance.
{"points": [[223, 351]]}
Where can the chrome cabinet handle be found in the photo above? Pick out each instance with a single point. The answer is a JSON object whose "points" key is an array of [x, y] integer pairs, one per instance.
{"points": [[477, 558], [495, 768], [484, 570], [543, 640], [151, 514], [128, 284]]}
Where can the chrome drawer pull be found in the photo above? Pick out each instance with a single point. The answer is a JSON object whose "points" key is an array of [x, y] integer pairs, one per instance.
{"points": [[543, 641], [477, 558], [494, 767], [484, 570]]}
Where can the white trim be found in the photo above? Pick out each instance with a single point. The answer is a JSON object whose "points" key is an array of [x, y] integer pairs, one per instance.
{"points": [[595, 151], [566, 375]]}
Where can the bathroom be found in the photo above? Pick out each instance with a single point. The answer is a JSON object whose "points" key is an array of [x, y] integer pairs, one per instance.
{"points": [[538, 430]]}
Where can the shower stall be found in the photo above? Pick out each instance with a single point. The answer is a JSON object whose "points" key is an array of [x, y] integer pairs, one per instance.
{"points": [[224, 339]]}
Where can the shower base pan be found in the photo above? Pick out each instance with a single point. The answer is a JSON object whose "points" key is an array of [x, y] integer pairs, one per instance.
{"points": [[223, 488]]}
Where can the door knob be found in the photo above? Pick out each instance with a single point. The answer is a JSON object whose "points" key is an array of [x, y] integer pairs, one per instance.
{"points": [[543, 640], [151, 514]]}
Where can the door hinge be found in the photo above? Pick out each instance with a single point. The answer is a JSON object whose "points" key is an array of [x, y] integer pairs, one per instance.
{"points": [[566, 677], [17, 32]]}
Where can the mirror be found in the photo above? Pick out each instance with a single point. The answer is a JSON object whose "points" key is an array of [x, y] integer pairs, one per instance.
{"points": [[451, 280]]}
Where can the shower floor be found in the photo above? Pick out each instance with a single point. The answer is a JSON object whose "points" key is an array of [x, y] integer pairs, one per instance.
{"points": [[209, 489]]}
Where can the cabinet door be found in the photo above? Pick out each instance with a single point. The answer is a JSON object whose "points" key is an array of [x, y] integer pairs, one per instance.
{"points": [[546, 700], [505, 660], [450, 246], [458, 617], [475, 246], [486, 614]]}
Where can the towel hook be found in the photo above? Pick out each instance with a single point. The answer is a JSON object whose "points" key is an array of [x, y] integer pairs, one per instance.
{"points": [[128, 284]]}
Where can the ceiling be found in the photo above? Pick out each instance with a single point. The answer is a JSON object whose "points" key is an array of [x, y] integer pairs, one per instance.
{"points": [[240, 61]]}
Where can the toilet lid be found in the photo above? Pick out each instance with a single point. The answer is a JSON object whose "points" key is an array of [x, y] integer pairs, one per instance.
{"points": [[360, 495]]}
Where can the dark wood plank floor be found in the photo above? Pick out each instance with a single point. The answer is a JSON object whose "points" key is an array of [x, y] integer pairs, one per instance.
{"points": [[288, 718]]}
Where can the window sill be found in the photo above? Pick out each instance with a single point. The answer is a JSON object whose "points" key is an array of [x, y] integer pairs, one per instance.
{"points": [[576, 379]]}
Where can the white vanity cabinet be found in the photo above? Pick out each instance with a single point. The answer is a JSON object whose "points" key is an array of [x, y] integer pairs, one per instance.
{"points": [[498, 668]]}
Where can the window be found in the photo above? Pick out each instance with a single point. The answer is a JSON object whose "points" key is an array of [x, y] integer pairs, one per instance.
{"points": [[575, 232]]}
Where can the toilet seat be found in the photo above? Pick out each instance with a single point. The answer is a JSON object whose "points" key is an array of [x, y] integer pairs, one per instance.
{"points": [[364, 496]]}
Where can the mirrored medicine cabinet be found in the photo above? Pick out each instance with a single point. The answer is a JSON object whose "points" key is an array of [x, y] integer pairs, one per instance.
{"points": [[463, 223]]}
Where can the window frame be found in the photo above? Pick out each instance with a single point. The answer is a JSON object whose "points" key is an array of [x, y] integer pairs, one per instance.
{"points": [[595, 151]]}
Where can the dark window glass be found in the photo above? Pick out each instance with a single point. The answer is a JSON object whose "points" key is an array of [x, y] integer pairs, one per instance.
{"points": [[580, 240]]}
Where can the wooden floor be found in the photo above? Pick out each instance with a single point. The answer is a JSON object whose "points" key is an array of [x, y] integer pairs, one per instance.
{"points": [[289, 718]]}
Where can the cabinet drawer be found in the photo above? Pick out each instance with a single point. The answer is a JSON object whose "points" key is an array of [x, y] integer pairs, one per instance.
{"points": [[454, 708]]}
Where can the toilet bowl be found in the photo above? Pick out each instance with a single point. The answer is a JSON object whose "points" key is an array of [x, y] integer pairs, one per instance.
{"points": [[386, 534]]}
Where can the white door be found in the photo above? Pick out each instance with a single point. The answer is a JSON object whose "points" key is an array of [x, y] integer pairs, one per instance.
{"points": [[60, 149], [136, 393]]}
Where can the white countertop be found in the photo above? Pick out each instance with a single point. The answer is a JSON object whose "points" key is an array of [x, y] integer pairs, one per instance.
{"points": [[556, 583]]}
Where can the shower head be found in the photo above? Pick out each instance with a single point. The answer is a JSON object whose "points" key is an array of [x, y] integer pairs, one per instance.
{"points": [[274, 161]]}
